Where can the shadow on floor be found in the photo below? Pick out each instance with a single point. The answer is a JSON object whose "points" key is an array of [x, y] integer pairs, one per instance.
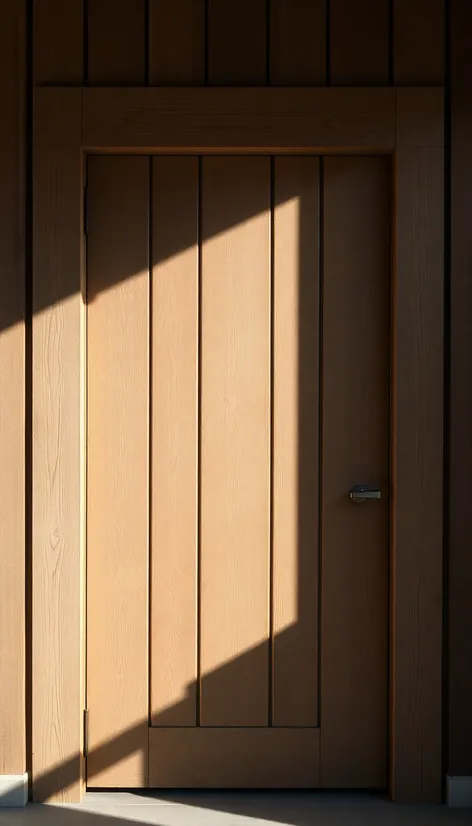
{"points": [[234, 809]]}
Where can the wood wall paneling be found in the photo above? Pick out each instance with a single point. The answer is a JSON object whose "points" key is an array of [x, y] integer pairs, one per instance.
{"points": [[418, 476], [295, 441], [12, 389], [359, 42], [460, 530], [116, 42], [57, 444], [174, 441], [118, 471], [297, 46], [58, 42], [356, 353], [237, 43], [418, 42], [177, 42], [235, 441]]}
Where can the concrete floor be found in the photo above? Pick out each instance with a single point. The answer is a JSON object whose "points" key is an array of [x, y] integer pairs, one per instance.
{"points": [[234, 809]]}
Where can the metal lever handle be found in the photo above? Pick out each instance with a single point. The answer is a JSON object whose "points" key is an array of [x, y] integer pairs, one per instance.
{"points": [[361, 493]]}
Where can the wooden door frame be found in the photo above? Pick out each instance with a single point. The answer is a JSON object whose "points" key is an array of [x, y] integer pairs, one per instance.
{"points": [[406, 123]]}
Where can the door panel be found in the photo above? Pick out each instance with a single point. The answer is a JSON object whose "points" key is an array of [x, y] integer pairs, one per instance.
{"points": [[228, 758], [356, 380], [234, 399], [235, 442], [174, 442], [295, 441], [118, 471]]}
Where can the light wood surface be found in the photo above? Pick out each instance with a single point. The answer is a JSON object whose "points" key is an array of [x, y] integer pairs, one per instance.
{"points": [[355, 538], [235, 441], [58, 42], [57, 448], [177, 42], [359, 42], [419, 42], [118, 468], [418, 482], [174, 440], [116, 42], [236, 45], [297, 43], [460, 444], [220, 120], [12, 391], [247, 758], [295, 441]]}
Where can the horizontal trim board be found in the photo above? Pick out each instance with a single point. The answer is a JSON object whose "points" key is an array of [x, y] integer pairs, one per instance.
{"points": [[459, 792], [13, 790], [234, 757], [252, 118]]}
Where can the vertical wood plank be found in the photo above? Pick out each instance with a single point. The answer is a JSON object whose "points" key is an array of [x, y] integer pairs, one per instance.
{"points": [[356, 397], [118, 471], [295, 442], [116, 42], [177, 42], [58, 42], [235, 441], [12, 390], [419, 42], [297, 43], [174, 442], [57, 441], [417, 477], [237, 43], [460, 527], [359, 44]]}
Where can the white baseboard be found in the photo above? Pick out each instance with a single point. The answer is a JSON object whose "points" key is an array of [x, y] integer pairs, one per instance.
{"points": [[13, 790], [459, 792]]}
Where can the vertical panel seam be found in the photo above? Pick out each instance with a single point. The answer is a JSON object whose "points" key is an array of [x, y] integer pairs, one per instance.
{"points": [[328, 41], [150, 426], [447, 384], [391, 42], [271, 699], [198, 691]]}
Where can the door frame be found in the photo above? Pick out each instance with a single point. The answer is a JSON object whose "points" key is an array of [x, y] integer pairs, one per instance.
{"points": [[69, 123]]}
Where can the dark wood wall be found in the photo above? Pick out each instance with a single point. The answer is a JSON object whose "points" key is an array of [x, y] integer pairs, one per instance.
{"points": [[239, 42], [225, 42]]}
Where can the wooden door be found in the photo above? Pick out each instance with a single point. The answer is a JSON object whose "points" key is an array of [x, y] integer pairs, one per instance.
{"points": [[238, 389]]}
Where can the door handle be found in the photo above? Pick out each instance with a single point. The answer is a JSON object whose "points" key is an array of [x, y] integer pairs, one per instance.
{"points": [[361, 493]]}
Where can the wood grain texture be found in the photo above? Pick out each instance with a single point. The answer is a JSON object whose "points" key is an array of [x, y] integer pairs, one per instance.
{"points": [[12, 390], [460, 527], [418, 478], [297, 43], [116, 42], [359, 42], [118, 470], [295, 442], [57, 506], [419, 42], [58, 42], [220, 120], [232, 758], [237, 43], [174, 441], [177, 42], [420, 117], [235, 441], [356, 397]]}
